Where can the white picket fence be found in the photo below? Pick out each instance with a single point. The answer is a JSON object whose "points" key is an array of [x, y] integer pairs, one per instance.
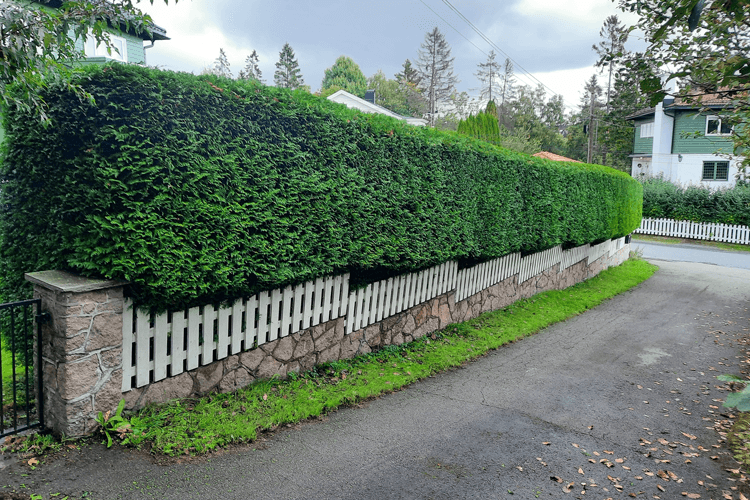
{"points": [[695, 230], [159, 346]]}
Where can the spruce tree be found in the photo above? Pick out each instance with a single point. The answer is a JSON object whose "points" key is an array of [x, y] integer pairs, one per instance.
{"points": [[435, 66], [488, 73], [288, 75], [409, 74], [252, 70], [611, 48], [221, 65]]}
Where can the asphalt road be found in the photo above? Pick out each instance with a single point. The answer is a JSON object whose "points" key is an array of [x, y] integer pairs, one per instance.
{"points": [[692, 253], [604, 401]]}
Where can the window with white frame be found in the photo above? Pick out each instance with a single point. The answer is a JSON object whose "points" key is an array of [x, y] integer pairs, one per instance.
{"points": [[647, 129], [119, 51], [715, 125], [715, 171]]}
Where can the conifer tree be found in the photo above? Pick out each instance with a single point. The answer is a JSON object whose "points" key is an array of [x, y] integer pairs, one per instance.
{"points": [[435, 66], [252, 70], [288, 75], [409, 74], [221, 65], [611, 48], [488, 73]]}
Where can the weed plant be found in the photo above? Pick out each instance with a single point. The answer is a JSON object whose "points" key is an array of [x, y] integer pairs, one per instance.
{"points": [[196, 426]]}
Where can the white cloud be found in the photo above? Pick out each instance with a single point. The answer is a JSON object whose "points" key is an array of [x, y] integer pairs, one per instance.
{"points": [[569, 83], [578, 11]]}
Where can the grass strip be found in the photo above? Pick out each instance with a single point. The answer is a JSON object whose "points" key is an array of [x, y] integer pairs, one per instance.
{"points": [[196, 426], [734, 247]]}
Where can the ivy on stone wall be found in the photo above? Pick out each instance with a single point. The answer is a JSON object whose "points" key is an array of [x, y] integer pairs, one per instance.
{"points": [[198, 188]]}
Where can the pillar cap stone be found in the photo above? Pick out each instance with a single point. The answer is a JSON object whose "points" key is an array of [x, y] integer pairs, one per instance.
{"points": [[64, 281]]}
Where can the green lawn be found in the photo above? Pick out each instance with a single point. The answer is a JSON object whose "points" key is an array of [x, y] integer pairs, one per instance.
{"points": [[195, 426]]}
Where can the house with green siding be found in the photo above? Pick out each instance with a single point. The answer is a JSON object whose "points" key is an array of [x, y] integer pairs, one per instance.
{"points": [[685, 143], [130, 46]]}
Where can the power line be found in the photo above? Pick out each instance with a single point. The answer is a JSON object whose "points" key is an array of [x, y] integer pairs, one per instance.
{"points": [[492, 44], [475, 45]]}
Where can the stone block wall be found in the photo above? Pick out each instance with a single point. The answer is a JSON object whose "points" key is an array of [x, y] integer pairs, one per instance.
{"points": [[83, 344]]}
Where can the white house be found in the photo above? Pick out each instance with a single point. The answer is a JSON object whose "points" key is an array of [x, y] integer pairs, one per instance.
{"points": [[685, 143]]}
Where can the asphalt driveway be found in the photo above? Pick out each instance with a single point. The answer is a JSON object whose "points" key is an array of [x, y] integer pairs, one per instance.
{"points": [[621, 401]]}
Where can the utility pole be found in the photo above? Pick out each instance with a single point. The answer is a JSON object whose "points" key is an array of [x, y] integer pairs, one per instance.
{"points": [[589, 156]]}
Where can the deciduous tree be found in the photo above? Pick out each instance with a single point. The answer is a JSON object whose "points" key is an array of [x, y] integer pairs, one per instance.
{"points": [[345, 74], [37, 41]]}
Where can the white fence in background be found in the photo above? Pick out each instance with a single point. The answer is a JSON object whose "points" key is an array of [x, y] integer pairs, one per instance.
{"points": [[163, 345], [695, 230]]}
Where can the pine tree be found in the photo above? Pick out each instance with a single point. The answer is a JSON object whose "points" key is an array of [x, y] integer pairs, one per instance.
{"points": [[288, 75], [345, 74], [435, 66], [611, 48], [252, 70], [488, 73], [221, 65]]}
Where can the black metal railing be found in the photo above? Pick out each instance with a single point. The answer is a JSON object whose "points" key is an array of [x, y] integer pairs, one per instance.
{"points": [[20, 408]]}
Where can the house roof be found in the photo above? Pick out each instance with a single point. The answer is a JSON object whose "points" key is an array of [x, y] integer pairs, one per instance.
{"points": [[354, 102], [552, 156], [157, 32]]}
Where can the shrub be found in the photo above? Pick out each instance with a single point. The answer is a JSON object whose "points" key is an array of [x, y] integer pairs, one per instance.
{"points": [[663, 199], [198, 188]]}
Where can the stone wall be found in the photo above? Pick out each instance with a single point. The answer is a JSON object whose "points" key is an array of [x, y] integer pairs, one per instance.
{"points": [[83, 344]]}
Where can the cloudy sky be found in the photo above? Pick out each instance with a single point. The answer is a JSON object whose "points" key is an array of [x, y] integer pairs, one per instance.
{"points": [[549, 39]]}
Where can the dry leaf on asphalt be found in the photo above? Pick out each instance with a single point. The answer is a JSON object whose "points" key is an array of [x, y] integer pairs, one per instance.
{"points": [[32, 462], [569, 487], [557, 479], [609, 452], [660, 487], [546, 443], [689, 436], [690, 495], [580, 471]]}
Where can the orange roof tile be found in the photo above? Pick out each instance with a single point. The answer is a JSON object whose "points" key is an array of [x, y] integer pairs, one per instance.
{"points": [[552, 156]]}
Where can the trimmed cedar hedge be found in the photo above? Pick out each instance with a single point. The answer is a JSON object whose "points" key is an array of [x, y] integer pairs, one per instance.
{"points": [[196, 189], [663, 199]]}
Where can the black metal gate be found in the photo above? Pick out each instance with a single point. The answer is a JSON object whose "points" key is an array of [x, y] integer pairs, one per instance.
{"points": [[20, 383]]}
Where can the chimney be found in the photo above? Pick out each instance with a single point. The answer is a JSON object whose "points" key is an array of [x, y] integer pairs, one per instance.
{"points": [[370, 96]]}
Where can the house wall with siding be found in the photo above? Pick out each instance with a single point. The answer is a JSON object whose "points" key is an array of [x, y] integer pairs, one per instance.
{"points": [[690, 136], [643, 145], [136, 54]]}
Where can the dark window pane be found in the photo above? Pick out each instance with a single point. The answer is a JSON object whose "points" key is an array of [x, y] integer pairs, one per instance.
{"points": [[726, 128], [708, 171], [722, 170]]}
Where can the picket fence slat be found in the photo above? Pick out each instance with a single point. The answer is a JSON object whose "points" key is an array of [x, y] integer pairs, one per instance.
{"points": [[728, 233]]}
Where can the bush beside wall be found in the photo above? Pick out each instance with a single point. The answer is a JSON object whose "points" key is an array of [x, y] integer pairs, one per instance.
{"points": [[662, 199], [196, 189]]}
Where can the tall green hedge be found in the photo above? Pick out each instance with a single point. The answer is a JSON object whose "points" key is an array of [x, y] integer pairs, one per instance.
{"points": [[663, 199], [197, 188]]}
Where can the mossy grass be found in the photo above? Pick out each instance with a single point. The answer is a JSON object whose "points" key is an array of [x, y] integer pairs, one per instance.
{"points": [[196, 426], [736, 247], [738, 440]]}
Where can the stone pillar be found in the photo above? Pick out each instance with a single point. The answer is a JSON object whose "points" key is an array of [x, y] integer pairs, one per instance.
{"points": [[81, 349]]}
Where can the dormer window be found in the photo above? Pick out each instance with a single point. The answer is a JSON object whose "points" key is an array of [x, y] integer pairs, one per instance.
{"points": [[119, 48], [715, 125]]}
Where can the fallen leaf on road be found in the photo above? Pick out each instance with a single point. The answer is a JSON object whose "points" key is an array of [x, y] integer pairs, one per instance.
{"points": [[662, 474], [660, 487], [619, 460], [663, 441], [580, 471], [569, 487], [609, 452], [557, 479], [596, 453], [672, 475], [32, 462], [575, 445], [690, 495], [519, 468], [546, 443], [639, 478], [689, 436]]}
